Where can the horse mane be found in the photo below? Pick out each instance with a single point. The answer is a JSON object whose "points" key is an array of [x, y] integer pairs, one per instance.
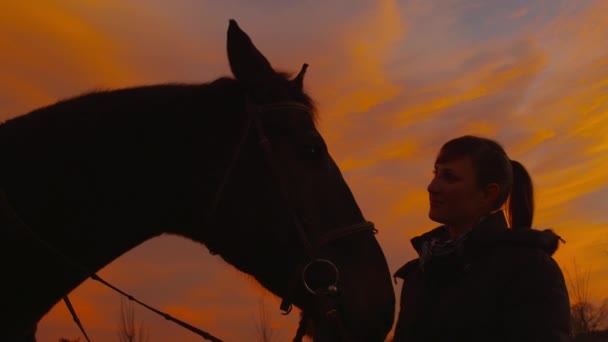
{"points": [[222, 88]]}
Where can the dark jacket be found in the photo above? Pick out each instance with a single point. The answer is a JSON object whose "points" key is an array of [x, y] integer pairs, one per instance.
{"points": [[500, 284]]}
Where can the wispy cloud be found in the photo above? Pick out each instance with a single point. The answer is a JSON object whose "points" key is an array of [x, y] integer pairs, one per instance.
{"points": [[517, 87], [48, 50], [394, 81]]}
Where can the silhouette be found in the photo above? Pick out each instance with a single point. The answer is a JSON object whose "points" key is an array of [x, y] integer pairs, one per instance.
{"points": [[589, 320], [235, 164], [483, 274]]}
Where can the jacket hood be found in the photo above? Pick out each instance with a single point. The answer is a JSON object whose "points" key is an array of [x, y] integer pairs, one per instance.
{"points": [[545, 240]]}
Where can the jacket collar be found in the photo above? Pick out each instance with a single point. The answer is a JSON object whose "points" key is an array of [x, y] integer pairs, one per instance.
{"points": [[493, 229], [487, 227]]}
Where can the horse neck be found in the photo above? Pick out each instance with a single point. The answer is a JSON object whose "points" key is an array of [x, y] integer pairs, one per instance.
{"points": [[96, 176]]}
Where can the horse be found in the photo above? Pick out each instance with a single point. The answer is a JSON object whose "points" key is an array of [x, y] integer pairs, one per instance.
{"points": [[236, 164]]}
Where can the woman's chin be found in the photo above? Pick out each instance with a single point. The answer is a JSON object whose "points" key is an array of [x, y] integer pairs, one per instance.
{"points": [[433, 215]]}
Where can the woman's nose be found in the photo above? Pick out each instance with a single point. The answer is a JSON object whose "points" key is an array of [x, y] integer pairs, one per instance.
{"points": [[433, 186]]}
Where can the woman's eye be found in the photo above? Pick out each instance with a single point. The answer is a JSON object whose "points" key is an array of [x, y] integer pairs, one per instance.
{"points": [[450, 178]]}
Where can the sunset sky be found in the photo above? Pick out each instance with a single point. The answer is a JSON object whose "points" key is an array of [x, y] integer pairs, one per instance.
{"points": [[393, 81]]}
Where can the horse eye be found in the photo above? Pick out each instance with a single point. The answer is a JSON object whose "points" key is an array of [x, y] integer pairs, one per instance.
{"points": [[313, 150]]}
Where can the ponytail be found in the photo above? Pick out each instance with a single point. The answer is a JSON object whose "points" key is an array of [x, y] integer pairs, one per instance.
{"points": [[492, 165], [521, 201]]}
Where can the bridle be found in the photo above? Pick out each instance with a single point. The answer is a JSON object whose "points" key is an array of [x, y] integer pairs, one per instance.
{"points": [[325, 297]]}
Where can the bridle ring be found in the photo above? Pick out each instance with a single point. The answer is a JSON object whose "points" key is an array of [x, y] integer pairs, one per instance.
{"points": [[331, 287]]}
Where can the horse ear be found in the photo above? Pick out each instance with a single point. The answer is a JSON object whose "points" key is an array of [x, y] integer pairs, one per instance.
{"points": [[298, 81], [246, 62]]}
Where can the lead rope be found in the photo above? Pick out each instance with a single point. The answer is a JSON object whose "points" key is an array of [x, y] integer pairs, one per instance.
{"points": [[165, 315], [301, 332], [75, 317]]}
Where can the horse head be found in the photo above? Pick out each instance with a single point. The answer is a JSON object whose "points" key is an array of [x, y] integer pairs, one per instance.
{"points": [[299, 230]]}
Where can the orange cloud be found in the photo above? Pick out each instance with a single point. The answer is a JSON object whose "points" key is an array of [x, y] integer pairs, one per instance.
{"points": [[491, 72], [519, 13], [587, 246], [355, 76], [47, 50], [96, 309], [393, 82], [547, 114], [369, 40]]}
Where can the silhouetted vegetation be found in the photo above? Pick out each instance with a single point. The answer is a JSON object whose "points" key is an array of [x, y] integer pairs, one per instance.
{"points": [[589, 320], [263, 324], [594, 336], [128, 330]]}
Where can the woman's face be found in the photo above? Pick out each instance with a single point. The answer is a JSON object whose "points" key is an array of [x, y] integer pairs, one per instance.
{"points": [[455, 198]]}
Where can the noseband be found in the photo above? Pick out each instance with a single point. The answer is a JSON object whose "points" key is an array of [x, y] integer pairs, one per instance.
{"points": [[325, 297]]}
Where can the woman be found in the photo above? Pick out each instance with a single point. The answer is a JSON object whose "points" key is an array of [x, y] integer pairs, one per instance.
{"points": [[476, 278]]}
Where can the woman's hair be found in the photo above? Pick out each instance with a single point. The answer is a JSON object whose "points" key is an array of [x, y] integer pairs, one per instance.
{"points": [[492, 165]]}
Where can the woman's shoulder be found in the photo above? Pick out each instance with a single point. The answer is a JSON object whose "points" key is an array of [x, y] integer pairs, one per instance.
{"points": [[528, 251], [518, 241], [541, 240]]}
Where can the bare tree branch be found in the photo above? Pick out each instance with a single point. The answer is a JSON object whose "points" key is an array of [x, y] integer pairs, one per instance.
{"points": [[263, 323], [586, 317], [127, 331]]}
